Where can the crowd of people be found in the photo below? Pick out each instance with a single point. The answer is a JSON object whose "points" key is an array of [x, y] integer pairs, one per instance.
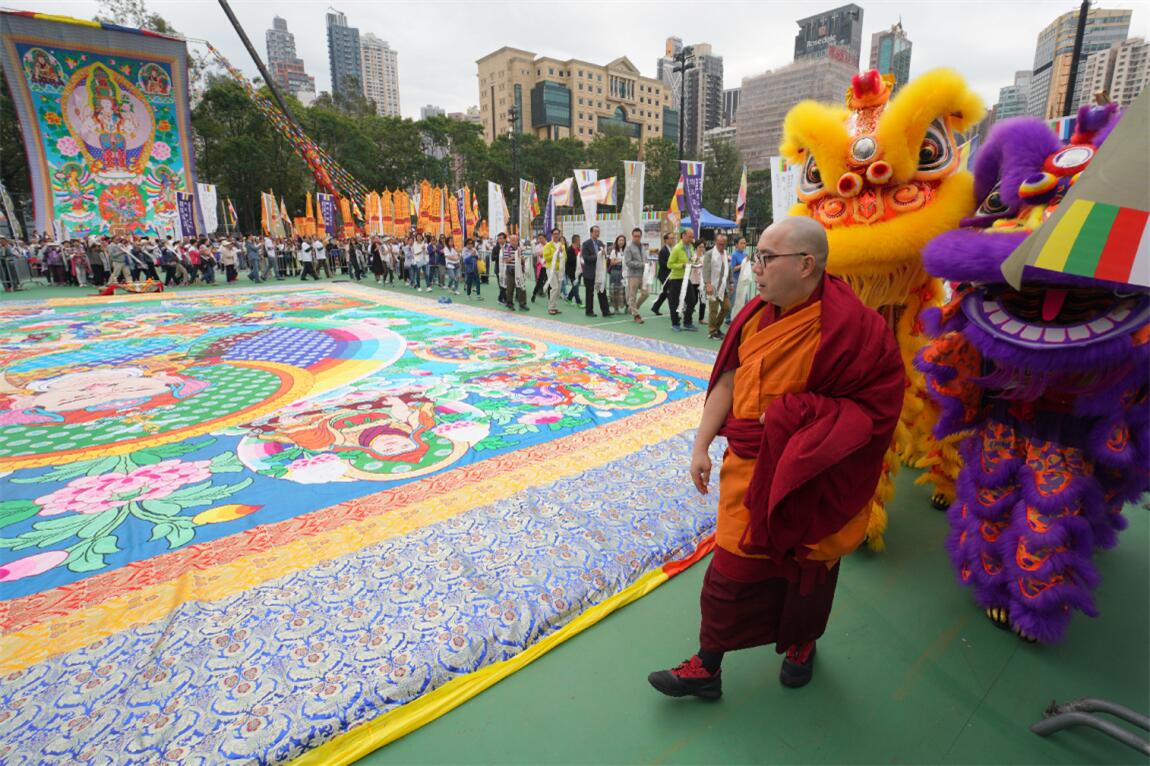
{"points": [[707, 280]]}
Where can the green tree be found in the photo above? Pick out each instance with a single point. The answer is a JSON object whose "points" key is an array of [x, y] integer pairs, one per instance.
{"points": [[239, 151], [13, 160], [724, 168], [662, 158], [759, 199]]}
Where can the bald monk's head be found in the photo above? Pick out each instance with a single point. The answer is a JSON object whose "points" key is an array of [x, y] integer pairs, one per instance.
{"points": [[790, 260]]}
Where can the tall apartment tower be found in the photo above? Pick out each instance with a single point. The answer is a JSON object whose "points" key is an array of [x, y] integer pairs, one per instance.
{"points": [[286, 68], [890, 54], [380, 74], [343, 54]]}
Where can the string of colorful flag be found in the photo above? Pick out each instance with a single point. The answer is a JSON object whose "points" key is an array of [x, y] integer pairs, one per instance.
{"points": [[329, 174]]}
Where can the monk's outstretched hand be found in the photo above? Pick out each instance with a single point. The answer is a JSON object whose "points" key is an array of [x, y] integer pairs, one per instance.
{"points": [[701, 470]]}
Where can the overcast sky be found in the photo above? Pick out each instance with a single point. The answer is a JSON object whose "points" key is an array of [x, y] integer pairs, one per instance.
{"points": [[439, 42]]}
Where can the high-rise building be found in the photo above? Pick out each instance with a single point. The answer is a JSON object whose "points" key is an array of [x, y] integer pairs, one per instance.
{"points": [[343, 55], [665, 69], [719, 135], [1097, 72], [766, 99], [703, 98], [1131, 70], [731, 105], [431, 110], [379, 72], [573, 98], [286, 68], [1012, 99], [1055, 49], [836, 33], [890, 54]]}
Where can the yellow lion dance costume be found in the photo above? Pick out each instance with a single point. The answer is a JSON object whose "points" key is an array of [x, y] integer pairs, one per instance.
{"points": [[883, 176]]}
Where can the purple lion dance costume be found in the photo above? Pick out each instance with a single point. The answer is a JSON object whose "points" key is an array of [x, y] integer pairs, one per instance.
{"points": [[1049, 383]]}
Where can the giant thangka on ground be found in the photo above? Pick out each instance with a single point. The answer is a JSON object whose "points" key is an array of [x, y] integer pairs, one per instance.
{"points": [[268, 523], [104, 113]]}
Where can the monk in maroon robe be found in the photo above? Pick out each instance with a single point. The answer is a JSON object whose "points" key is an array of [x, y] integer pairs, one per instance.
{"points": [[807, 390]]}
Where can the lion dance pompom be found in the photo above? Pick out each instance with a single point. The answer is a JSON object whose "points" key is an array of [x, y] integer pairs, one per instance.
{"points": [[1052, 380]]}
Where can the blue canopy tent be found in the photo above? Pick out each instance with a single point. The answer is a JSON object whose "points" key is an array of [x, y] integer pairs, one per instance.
{"points": [[709, 220]]}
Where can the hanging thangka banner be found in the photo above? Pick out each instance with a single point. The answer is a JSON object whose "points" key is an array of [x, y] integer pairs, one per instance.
{"points": [[104, 113]]}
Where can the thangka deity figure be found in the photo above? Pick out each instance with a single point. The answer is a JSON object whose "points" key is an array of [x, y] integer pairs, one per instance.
{"points": [[884, 176], [162, 185], [110, 120], [45, 70], [74, 188], [1052, 380]]}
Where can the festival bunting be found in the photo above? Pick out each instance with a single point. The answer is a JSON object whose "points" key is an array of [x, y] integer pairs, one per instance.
{"points": [[329, 174], [741, 202], [235, 220], [692, 174], [327, 206], [285, 221], [675, 210], [588, 194], [606, 191]]}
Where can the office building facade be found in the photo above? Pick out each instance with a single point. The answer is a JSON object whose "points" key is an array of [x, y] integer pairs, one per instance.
{"points": [[1054, 52], [839, 29], [555, 98], [287, 69], [890, 54]]}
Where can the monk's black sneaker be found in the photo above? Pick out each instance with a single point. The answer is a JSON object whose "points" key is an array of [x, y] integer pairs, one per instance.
{"points": [[795, 671], [689, 678]]}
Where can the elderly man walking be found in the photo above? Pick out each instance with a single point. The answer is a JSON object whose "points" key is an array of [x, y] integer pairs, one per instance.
{"points": [[634, 265]]}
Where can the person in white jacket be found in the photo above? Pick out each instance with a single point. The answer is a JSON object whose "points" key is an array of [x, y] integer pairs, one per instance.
{"points": [[716, 285]]}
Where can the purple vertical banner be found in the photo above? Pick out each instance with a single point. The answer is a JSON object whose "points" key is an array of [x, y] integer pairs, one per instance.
{"points": [[186, 207], [693, 190], [462, 206], [549, 213], [327, 202]]}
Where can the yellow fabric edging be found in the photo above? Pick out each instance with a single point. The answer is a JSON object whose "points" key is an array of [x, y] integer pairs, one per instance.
{"points": [[372, 735]]}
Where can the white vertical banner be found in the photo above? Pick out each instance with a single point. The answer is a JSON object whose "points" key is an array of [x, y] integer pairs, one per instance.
{"points": [[589, 194], [784, 187], [206, 193], [496, 210], [631, 213]]}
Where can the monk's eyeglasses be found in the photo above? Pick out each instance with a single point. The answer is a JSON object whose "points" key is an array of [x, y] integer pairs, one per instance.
{"points": [[762, 259]]}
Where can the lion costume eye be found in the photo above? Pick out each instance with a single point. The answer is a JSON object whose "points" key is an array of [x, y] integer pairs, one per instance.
{"points": [[934, 153], [812, 179], [993, 204]]}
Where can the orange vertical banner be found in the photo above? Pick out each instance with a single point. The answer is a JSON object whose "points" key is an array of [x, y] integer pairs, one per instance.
{"points": [[423, 222], [309, 216], [345, 214]]}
